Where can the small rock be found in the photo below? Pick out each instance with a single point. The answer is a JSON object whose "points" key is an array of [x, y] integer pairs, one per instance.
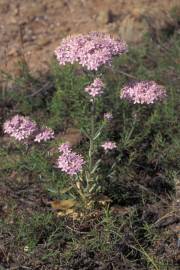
{"points": [[4, 8], [132, 29], [104, 17], [43, 41], [13, 20], [12, 52]]}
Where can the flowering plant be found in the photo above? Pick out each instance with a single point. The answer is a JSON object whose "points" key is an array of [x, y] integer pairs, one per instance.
{"points": [[92, 51]]}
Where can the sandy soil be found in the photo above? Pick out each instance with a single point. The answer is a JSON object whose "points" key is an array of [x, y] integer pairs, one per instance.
{"points": [[33, 28]]}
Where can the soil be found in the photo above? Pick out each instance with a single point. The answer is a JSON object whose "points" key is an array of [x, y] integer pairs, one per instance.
{"points": [[34, 28]]}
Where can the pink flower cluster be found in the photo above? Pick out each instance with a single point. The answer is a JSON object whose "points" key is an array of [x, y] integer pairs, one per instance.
{"points": [[44, 135], [20, 127], [91, 50], [95, 88], [143, 92], [23, 129], [65, 148], [108, 116], [109, 145], [69, 162]]}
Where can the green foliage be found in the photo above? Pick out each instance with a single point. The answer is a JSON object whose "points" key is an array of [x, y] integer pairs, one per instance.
{"points": [[36, 230], [25, 92], [68, 102], [38, 162], [148, 137]]}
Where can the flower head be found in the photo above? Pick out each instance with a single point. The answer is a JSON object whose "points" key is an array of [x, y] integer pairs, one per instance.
{"points": [[109, 145], [108, 116], [95, 88], [143, 92], [91, 50], [65, 148], [70, 162], [20, 127], [44, 135], [23, 129]]}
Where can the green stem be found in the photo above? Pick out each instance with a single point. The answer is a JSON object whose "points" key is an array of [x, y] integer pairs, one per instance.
{"points": [[89, 177], [80, 192], [92, 134]]}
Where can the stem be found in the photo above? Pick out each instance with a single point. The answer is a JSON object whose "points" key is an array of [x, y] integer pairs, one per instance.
{"points": [[79, 191], [131, 130], [92, 134], [89, 176]]}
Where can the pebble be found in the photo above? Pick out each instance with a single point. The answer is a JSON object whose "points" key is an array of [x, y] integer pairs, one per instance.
{"points": [[104, 17]]}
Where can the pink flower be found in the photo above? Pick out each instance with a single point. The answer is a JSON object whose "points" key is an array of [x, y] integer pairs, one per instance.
{"points": [[23, 129], [109, 145], [45, 135], [65, 148], [108, 116], [95, 88], [143, 92], [20, 127], [69, 162], [91, 50]]}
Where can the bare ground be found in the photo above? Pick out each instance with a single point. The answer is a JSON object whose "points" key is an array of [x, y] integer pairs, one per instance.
{"points": [[33, 28]]}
